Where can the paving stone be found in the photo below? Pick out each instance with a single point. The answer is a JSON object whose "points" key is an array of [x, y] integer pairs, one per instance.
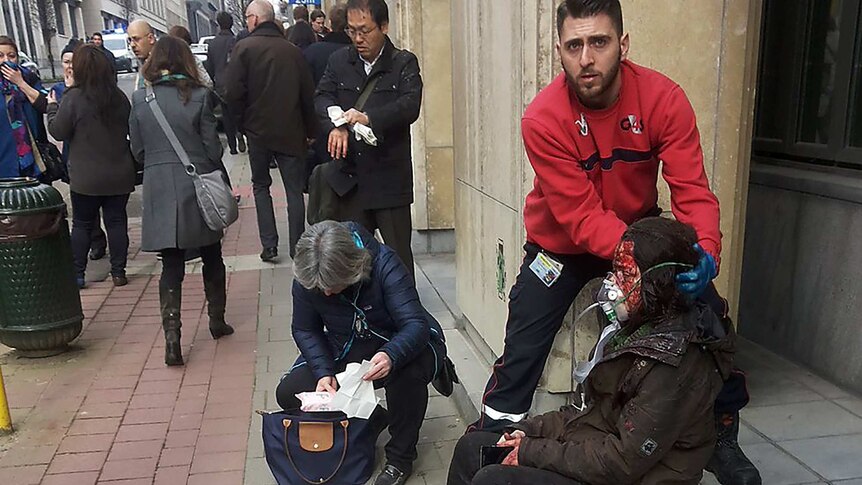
{"points": [[23, 475], [135, 449], [802, 420], [834, 458], [82, 478], [125, 469], [171, 475], [84, 443], [777, 467], [77, 462]]}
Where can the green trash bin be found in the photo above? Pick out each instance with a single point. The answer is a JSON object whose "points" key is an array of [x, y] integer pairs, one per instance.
{"points": [[40, 306]]}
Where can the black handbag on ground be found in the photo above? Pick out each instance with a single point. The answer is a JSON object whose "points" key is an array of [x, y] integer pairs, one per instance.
{"points": [[318, 448]]}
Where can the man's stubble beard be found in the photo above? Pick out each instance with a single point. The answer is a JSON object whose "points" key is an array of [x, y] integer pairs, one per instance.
{"points": [[607, 80]]}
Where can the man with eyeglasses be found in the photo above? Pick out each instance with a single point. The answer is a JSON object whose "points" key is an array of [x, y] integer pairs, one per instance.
{"points": [[142, 38], [379, 86], [268, 89]]}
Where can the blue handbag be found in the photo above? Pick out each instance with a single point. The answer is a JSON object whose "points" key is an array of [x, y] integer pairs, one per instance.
{"points": [[315, 448]]}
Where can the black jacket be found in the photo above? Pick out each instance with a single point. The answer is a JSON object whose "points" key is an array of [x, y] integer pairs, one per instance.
{"points": [[317, 54], [218, 56], [269, 90], [384, 174]]}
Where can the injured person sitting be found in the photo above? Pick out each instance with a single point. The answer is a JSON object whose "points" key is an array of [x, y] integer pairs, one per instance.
{"points": [[649, 415]]}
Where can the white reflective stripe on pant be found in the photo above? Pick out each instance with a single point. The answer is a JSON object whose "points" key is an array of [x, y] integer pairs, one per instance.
{"points": [[499, 415]]}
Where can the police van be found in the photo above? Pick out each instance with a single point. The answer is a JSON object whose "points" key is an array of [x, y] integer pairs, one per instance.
{"points": [[117, 42]]}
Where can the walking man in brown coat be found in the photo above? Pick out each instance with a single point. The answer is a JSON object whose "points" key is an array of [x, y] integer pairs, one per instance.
{"points": [[269, 89]]}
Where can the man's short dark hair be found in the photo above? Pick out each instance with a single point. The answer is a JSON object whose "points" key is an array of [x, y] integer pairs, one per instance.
{"points": [[317, 14], [338, 18], [96, 34], [224, 20], [378, 9], [300, 12], [580, 9]]}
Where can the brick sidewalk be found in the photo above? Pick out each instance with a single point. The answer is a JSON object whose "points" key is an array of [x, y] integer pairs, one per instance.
{"points": [[108, 411]]}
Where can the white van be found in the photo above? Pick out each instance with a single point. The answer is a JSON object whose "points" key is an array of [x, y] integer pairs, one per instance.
{"points": [[117, 42]]}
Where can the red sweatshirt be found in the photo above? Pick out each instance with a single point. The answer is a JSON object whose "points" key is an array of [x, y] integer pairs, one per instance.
{"points": [[596, 171]]}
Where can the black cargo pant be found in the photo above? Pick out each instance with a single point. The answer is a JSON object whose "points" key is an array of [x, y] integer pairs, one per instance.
{"points": [[406, 396], [536, 314], [395, 225]]}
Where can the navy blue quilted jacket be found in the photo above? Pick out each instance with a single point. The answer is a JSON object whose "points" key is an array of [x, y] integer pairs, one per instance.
{"points": [[322, 325]]}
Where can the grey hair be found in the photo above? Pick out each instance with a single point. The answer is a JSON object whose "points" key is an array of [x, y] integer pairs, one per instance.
{"points": [[263, 10], [327, 258]]}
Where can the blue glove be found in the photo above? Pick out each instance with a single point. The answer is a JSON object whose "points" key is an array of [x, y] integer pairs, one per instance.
{"points": [[694, 281]]}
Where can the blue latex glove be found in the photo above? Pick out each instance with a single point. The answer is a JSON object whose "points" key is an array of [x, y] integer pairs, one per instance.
{"points": [[694, 281]]}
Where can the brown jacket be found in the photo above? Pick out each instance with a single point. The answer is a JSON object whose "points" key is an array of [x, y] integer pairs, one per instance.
{"points": [[270, 91], [650, 418]]}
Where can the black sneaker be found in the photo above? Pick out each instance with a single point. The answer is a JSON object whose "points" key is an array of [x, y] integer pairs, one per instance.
{"points": [[268, 254], [391, 476], [728, 462]]}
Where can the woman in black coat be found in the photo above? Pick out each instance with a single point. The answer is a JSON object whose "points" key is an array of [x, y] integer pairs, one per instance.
{"points": [[92, 122], [172, 222]]}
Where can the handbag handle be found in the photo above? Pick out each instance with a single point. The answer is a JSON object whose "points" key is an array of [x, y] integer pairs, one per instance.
{"points": [[344, 425], [168, 131]]}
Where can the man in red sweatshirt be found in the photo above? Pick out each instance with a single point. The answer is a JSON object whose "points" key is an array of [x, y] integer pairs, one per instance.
{"points": [[597, 137]]}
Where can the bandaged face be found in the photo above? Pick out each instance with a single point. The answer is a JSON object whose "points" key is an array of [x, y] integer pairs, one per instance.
{"points": [[627, 275]]}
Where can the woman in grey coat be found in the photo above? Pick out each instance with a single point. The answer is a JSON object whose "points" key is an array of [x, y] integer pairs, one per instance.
{"points": [[172, 222], [91, 121]]}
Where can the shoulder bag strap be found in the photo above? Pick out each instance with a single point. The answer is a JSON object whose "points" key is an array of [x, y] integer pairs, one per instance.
{"points": [[169, 132], [366, 92]]}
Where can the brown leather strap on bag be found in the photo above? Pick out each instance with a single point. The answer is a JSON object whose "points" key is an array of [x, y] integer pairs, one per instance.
{"points": [[287, 423]]}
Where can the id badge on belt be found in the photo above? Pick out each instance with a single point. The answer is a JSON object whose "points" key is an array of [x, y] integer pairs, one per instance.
{"points": [[546, 268]]}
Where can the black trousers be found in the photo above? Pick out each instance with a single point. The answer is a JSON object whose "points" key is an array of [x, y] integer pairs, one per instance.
{"points": [[85, 220], [292, 171], [536, 314], [174, 264], [406, 397], [228, 123], [98, 240], [465, 469], [395, 225]]}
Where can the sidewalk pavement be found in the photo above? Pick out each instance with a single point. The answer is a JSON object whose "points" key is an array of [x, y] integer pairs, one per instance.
{"points": [[109, 411]]}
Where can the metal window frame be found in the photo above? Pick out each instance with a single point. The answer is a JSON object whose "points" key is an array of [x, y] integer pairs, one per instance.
{"points": [[837, 149]]}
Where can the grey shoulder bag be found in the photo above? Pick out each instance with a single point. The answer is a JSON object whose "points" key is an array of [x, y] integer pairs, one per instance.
{"points": [[215, 200]]}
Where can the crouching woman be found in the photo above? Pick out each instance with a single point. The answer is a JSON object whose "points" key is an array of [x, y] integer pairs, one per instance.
{"points": [[354, 300], [650, 414]]}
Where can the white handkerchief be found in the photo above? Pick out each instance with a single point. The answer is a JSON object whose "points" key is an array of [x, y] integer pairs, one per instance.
{"points": [[362, 132], [355, 397]]}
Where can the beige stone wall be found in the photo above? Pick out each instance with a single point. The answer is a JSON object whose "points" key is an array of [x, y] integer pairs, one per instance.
{"points": [[424, 28], [503, 55]]}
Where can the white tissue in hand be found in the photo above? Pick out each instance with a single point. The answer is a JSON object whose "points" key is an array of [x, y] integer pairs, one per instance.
{"points": [[362, 132], [336, 115], [355, 397]]}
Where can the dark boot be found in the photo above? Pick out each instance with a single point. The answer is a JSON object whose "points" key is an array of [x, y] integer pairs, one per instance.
{"points": [[171, 303], [728, 463], [215, 287]]}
